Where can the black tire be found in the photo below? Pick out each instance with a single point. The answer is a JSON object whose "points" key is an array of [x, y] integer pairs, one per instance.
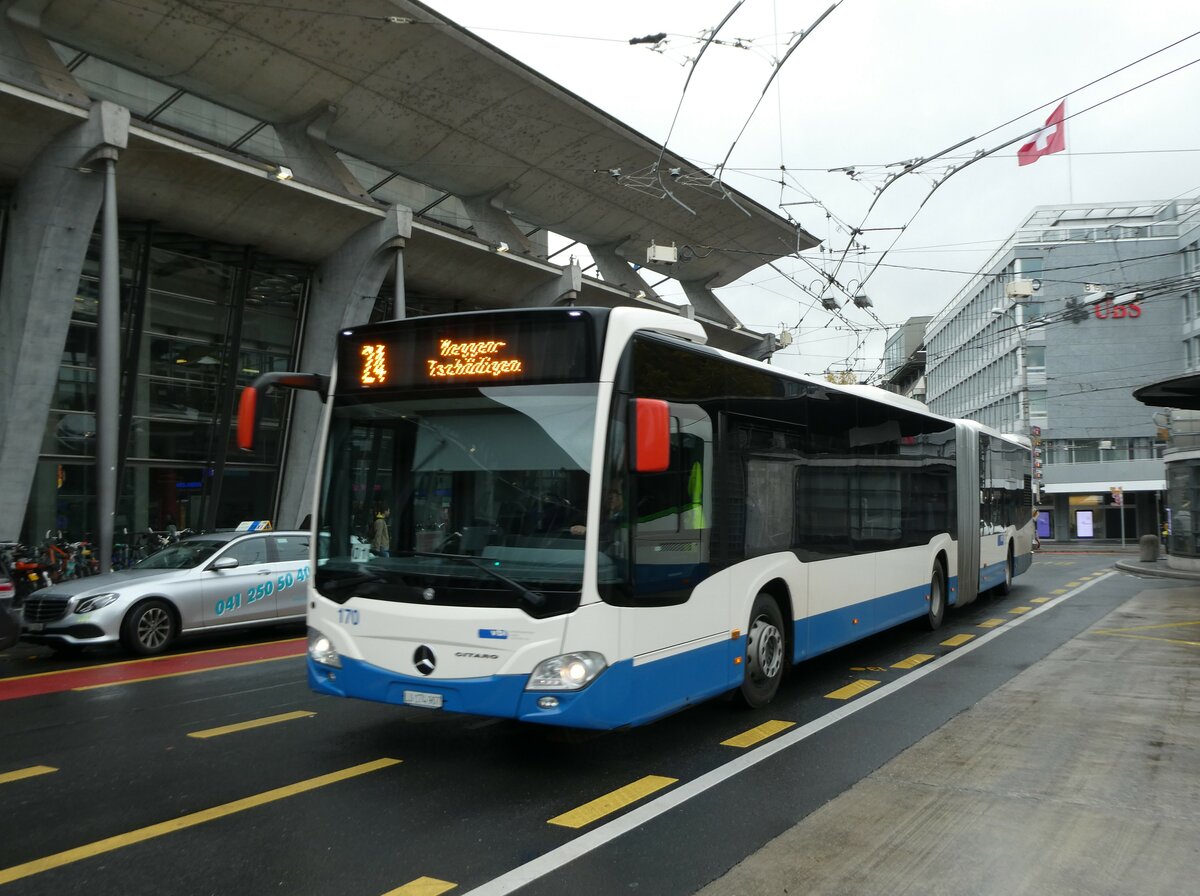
{"points": [[1006, 586], [149, 628], [936, 612], [765, 653]]}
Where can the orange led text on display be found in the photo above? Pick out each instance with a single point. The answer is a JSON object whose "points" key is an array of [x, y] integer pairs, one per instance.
{"points": [[471, 359], [374, 369]]}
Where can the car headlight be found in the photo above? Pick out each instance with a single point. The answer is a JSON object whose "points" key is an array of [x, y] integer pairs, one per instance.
{"points": [[96, 601], [568, 672], [321, 650]]}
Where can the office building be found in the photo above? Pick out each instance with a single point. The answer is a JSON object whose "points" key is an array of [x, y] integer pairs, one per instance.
{"points": [[1082, 305]]}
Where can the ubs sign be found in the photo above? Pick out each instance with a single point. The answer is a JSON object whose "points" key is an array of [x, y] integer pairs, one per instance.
{"points": [[1107, 309]]}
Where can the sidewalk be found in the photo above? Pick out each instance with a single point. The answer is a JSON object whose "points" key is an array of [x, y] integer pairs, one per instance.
{"points": [[1079, 776]]}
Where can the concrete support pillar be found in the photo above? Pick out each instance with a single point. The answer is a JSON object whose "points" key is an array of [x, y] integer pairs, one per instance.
{"points": [[565, 289], [312, 159], [26, 58], [493, 224], [52, 214], [344, 290], [763, 349], [108, 363], [616, 271], [707, 305]]}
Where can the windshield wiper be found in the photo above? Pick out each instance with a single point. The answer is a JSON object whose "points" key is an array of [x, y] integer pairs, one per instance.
{"points": [[533, 597]]}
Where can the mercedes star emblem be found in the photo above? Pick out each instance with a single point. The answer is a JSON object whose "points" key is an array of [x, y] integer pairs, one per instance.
{"points": [[424, 660]]}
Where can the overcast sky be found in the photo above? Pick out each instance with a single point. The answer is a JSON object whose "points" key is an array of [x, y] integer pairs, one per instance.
{"points": [[879, 82]]}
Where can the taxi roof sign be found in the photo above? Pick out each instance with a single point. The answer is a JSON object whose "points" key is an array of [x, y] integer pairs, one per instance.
{"points": [[253, 525]]}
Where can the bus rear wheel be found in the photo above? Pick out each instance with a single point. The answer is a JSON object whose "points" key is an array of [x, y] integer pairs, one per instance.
{"points": [[765, 653], [1006, 586], [936, 611]]}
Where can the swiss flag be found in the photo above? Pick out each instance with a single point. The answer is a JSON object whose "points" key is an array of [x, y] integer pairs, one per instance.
{"points": [[1051, 138]]}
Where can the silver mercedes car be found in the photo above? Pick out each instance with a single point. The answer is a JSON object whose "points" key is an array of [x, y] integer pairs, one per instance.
{"points": [[222, 580]]}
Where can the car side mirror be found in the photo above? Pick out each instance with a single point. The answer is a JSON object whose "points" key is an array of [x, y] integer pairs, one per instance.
{"points": [[225, 563]]}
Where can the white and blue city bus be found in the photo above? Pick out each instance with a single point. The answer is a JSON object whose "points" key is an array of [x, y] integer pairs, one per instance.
{"points": [[593, 519]]}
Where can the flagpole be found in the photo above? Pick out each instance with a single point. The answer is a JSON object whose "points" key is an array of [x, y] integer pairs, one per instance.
{"points": [[1070, 175]]}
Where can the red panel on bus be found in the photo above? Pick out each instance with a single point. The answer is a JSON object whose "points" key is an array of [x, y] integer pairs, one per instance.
{"points": [[653, 435]]}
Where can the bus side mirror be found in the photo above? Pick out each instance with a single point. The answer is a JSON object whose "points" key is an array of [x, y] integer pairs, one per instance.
{"points": [[651, 435], [247, 422]]}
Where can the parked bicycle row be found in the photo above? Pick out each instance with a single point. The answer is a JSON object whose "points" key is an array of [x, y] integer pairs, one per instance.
{"points": [[58, 557]]}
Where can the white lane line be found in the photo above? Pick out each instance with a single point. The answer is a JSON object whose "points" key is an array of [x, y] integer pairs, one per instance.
{"points": [[518, 877]]}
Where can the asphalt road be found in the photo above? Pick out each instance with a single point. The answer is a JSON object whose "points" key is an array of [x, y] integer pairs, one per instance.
{"points": [[222, 772]]}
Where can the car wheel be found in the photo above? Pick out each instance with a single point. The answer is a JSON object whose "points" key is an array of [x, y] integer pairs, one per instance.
{"points": [[937, 598], [765, 648], [149, 628]]}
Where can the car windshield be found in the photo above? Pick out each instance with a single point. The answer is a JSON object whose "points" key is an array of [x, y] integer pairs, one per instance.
{"points": [[181, 555], [483, 492]]}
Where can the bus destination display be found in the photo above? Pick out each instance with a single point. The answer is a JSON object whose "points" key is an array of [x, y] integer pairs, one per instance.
{"points": [[523, 350]]}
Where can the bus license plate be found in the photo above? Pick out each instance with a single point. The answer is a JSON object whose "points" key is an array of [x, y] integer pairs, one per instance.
{"points": [[425, 701]]}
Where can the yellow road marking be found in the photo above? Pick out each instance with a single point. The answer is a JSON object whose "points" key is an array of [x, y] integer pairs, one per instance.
{"points": [[1018, 611], [423, 886], [113, 684], [22, 773], [1134, 632], [256, 723], [1038, 600], [913, 661], [611, 802], [1059, 591], [1151, 638], [958, 640], [755, 735], [28, 869], [1074, 584], [852, 690], [1146, 628], [992, 623]]}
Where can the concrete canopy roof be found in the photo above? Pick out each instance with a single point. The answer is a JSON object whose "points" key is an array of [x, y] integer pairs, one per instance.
{"points": [[440, 106], [1181, 392]]}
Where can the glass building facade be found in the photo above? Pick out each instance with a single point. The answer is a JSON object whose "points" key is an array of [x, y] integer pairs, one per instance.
{"points": [[199, 320]]}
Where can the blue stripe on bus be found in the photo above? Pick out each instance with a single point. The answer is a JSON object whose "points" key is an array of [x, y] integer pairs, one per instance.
{"points": [[1021, 563], [836, 628], [624, 694], [495, 695], [992, 575]]}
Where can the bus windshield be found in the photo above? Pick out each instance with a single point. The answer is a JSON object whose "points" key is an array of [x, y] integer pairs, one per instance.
{"points": [[477, 498]]}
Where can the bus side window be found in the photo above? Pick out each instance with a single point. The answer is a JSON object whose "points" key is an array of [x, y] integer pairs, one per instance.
{"points": [[670, 515]]}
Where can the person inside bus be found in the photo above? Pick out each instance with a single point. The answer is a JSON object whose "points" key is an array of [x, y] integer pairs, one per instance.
{"points": [[381, 538], [613, 518]]}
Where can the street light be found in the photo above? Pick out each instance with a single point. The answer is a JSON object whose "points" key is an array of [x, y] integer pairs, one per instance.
{"points": [[1022, 368]]}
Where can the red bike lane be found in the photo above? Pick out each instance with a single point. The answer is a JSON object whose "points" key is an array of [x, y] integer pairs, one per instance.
{"points": [[148, 669]]}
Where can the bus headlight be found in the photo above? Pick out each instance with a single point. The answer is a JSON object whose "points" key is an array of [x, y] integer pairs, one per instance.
{"points": [[321, 650], [568, 672], [96, 601]]}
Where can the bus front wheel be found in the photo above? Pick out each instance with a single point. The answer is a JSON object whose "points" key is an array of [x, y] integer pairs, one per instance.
{"points": [[765, 650]]}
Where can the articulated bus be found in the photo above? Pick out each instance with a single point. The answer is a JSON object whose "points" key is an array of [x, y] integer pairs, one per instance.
{"points": [[586, 517]]}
